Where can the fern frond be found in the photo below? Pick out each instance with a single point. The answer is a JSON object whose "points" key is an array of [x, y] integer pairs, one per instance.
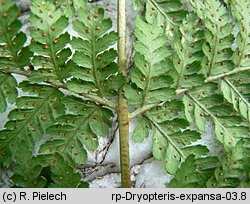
{"points": [[8, 91], [218, 37], [12, 53], [234, 168], [141, 132], [77, 130], [169, 14], [49, 42], [63, 175], [152, 85], [236, 87], [42, 171], [188, 48], [203, 101], [194, 173], [173, 141], [97, 71], [34, 113], [236, 90], [240, 11], [150, 75], [69, 7], [28, 169]]}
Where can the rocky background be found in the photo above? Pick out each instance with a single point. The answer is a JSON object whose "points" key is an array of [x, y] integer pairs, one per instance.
{"points": [[102, 169]]}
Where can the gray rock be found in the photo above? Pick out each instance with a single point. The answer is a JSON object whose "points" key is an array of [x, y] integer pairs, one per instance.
{"points": [[5, 181], [24, 5]]}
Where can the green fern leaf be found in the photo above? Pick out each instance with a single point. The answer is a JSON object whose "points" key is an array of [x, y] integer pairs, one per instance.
{"points": [[240, 9], [169, 14], [237, 92], [236, 87], [188, 46], [49, 42], [218, 37], [8, 92], [153, 84], [69, 7], [32, 116], [202, 102], [141, 131], [233, 168], [194, 173], [173, 141], [159, 115], [13, 55], [28, 168], [78, 130], [94, 55], [62, 174]]}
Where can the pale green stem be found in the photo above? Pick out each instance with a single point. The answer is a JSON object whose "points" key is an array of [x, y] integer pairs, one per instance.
{"points": [[236, 70], [122, 109]]}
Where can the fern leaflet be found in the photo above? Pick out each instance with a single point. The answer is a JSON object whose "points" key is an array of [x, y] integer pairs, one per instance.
{"points": [[97, 72]]}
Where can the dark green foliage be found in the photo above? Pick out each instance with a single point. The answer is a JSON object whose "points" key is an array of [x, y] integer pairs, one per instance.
{"points": [[153, 84], [62, 174], [234, 167], [7, 90], [219, 49], [41, 113], [94, 54], [194, 173], [169, 13], [190, 67], [172, 138], [33, 172], [28, 168], [12, 53], [207, 172], [34, 113], [218, 38], [236, 87], [202, 46], [48, 42], [187, 43], [240, 9], [69, 7], [202, 102], [81, 128], [236, 91]]}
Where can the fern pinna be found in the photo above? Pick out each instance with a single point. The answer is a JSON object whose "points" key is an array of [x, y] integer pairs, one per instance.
{"points": [[191, 67], [209, 83], [69, 123]]}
